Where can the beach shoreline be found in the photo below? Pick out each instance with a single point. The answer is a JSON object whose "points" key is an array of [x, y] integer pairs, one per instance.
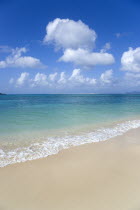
{"points": [[103, 175], [54, 144]]}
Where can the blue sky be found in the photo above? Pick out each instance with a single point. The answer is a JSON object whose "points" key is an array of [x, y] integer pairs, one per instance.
{"points": [[89, 46]]}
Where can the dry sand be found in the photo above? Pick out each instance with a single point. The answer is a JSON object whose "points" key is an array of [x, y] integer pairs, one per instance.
{"points": [[97, 176]]}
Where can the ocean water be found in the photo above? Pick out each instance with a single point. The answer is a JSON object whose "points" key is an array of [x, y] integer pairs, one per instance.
{"points": [[35, 126]]}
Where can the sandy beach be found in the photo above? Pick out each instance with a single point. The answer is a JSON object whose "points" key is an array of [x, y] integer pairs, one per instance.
{"points": [[100, 176], [69, 105]]}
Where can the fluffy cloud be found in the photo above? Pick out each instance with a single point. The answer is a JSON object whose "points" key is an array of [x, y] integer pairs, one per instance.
{"points": [[24, 77], [77, 78], [15, 59], [77, 41], [65, 33], [86, 58], [76, 82], [39, 79], [62, 79], [131, 60], [107, 76], [53, 77], [54, 80]]}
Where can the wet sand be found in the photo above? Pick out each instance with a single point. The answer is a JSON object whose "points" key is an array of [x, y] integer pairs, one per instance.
{"points": [[96, 176]]}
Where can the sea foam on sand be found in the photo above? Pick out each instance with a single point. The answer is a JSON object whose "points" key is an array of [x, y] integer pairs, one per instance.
{"points": [[54, 145], [102, 176]]}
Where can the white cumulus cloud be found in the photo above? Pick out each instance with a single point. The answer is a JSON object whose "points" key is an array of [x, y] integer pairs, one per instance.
{"points": [[56, 80], [86, 58], [53, 77], [76, 82], [39, 79], [16, 59], [66, 33], [77, 78], [22, 79], [62, 79], [77, 41], [107, 76], [130, 60]]}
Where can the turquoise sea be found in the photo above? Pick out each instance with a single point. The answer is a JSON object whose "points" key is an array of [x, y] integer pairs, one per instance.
{"points": [[35, 126]]}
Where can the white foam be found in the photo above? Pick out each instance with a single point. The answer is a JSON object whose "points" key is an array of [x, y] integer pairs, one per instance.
{"points": [[54, 145]]}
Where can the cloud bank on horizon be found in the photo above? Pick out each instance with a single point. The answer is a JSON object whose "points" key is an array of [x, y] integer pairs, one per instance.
{"points": [[63, 81]]}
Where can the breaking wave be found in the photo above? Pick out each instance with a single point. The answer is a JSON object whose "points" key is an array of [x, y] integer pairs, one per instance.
{"points": [[55, 144]]}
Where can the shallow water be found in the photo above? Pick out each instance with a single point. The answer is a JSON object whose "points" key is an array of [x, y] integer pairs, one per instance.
{"points": [[34, 126]]}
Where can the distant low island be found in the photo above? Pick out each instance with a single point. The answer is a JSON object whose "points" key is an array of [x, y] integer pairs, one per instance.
{"points": [[2, 94], [134, 92]]}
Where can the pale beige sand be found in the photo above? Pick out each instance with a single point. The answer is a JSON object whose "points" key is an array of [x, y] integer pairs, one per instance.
{"points": [[98, 176]]}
